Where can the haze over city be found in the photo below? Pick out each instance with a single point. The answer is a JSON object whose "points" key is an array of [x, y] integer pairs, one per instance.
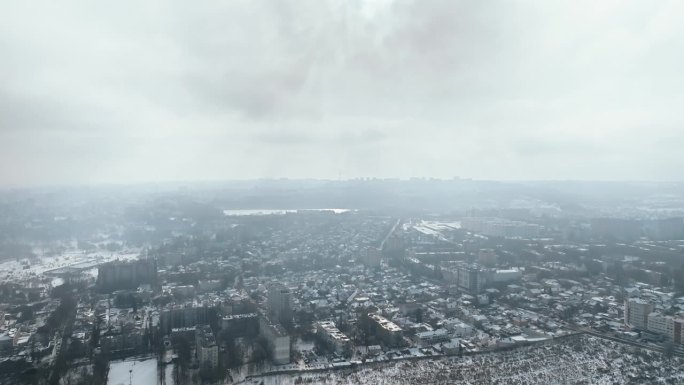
{"points": [[131, 92], [336, 192]]}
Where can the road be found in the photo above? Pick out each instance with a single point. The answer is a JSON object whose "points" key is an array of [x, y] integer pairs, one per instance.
{"points": [[638, 344], [389, 234]]}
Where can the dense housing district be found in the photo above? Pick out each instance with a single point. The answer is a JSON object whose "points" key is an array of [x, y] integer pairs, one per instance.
{"points": [[514, 296]]}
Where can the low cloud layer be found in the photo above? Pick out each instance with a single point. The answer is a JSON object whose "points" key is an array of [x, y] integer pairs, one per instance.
{"points": [[133, 91]]}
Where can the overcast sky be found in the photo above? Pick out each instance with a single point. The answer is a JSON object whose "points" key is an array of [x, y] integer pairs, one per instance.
{"points": [[137, 91]]}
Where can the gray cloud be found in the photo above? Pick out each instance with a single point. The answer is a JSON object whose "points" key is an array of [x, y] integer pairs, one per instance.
{"points": [[136, 91]]}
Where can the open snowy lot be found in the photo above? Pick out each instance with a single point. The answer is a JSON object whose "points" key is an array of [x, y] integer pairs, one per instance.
{"points": [[133, 371], [579, 360]]}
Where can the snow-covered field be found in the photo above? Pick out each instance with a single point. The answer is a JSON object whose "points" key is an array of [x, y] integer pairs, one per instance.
{"points": [[580, 360], [137, 372], [435, 228], [14, 270]]}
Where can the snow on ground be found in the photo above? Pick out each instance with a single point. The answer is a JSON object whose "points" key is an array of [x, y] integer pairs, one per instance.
{"points": [[579, 360], [142, 372], [168, 375], [435, 228], [304, 345], [17, 270]]}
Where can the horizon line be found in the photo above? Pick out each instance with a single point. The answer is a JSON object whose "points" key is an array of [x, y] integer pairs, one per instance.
{"points": [[82, 185]]}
